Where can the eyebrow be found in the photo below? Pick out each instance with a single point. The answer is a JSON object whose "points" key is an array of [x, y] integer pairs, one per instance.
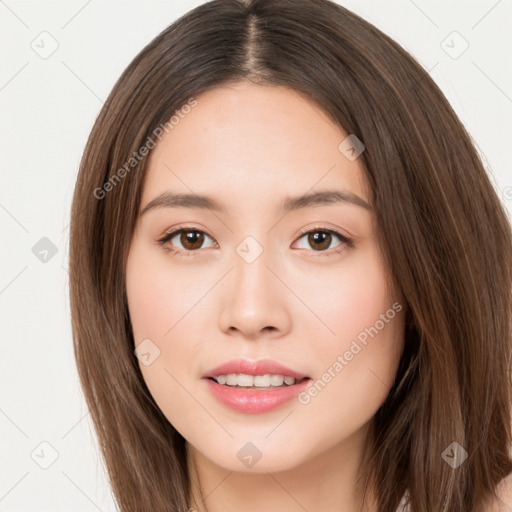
{"points": [[176, 200]]}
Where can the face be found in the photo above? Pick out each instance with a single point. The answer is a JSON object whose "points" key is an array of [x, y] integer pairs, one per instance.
{"points": [[257, 276]]}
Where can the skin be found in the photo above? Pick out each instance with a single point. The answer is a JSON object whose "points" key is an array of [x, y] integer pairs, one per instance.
{"points": [[250, 147]]}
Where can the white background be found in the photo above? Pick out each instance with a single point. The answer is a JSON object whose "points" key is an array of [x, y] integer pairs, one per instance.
{"points": [[47, 109]]}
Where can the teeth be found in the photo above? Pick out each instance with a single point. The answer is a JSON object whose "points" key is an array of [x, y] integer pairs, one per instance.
{"points": [[259, 381], [222, 379]]}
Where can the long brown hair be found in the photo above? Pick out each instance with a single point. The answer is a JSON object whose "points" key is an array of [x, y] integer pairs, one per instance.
{"points": [[441, 227]]}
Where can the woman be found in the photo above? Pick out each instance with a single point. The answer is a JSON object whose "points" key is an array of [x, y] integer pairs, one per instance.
{"points": [[290, 275]]}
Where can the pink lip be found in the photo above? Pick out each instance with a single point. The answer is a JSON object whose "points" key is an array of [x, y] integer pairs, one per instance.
{"points": [[260, 367], [255, 400]]}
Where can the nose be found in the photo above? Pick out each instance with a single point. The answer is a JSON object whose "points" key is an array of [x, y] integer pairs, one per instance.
{"points": [[254, 302]]}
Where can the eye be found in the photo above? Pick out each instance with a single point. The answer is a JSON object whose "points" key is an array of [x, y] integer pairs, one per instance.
{"points": [[191, 239], [320, 239]]}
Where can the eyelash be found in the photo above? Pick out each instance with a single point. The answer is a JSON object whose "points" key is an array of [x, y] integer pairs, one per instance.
{"points": [[345, 241]]}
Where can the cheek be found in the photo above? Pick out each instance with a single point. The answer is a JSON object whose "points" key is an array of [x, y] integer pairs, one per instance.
{"points": [[358, 358], [164, 307], [158, 296], [356, 380], [152, 308], [159, 302], [349, 300]]}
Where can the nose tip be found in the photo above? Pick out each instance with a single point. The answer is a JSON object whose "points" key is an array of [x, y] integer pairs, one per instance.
{"points": [[253, 305]]}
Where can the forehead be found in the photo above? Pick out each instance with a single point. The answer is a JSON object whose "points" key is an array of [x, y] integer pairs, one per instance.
{"points": [[243, 141]]}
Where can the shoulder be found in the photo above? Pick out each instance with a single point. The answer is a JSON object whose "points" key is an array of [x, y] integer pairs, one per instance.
{"points": [[504, 493]]}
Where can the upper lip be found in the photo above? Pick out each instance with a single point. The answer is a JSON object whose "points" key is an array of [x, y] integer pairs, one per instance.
{"points": [[259, 367]]}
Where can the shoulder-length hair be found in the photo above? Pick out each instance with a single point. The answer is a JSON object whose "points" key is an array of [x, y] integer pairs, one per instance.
{"points": [[441, 227]]}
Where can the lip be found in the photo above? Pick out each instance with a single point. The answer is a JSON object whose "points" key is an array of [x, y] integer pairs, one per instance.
{"points": [[259, 367], [254, 401]]}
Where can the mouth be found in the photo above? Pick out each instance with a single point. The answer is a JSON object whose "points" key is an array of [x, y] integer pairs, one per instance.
{"points": [[264, 382], [255, 399], [254, 386], [261, 373]]}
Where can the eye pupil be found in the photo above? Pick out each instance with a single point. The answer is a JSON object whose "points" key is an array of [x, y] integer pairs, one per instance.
{"points": [[320, 237], [192, 237]]}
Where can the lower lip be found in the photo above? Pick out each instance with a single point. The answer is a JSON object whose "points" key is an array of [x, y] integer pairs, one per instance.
{"points": [[253, 401]]}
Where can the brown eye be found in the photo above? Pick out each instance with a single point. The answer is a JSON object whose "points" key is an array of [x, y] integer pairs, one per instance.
{"points": [[189, 239], [319, 240]]}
